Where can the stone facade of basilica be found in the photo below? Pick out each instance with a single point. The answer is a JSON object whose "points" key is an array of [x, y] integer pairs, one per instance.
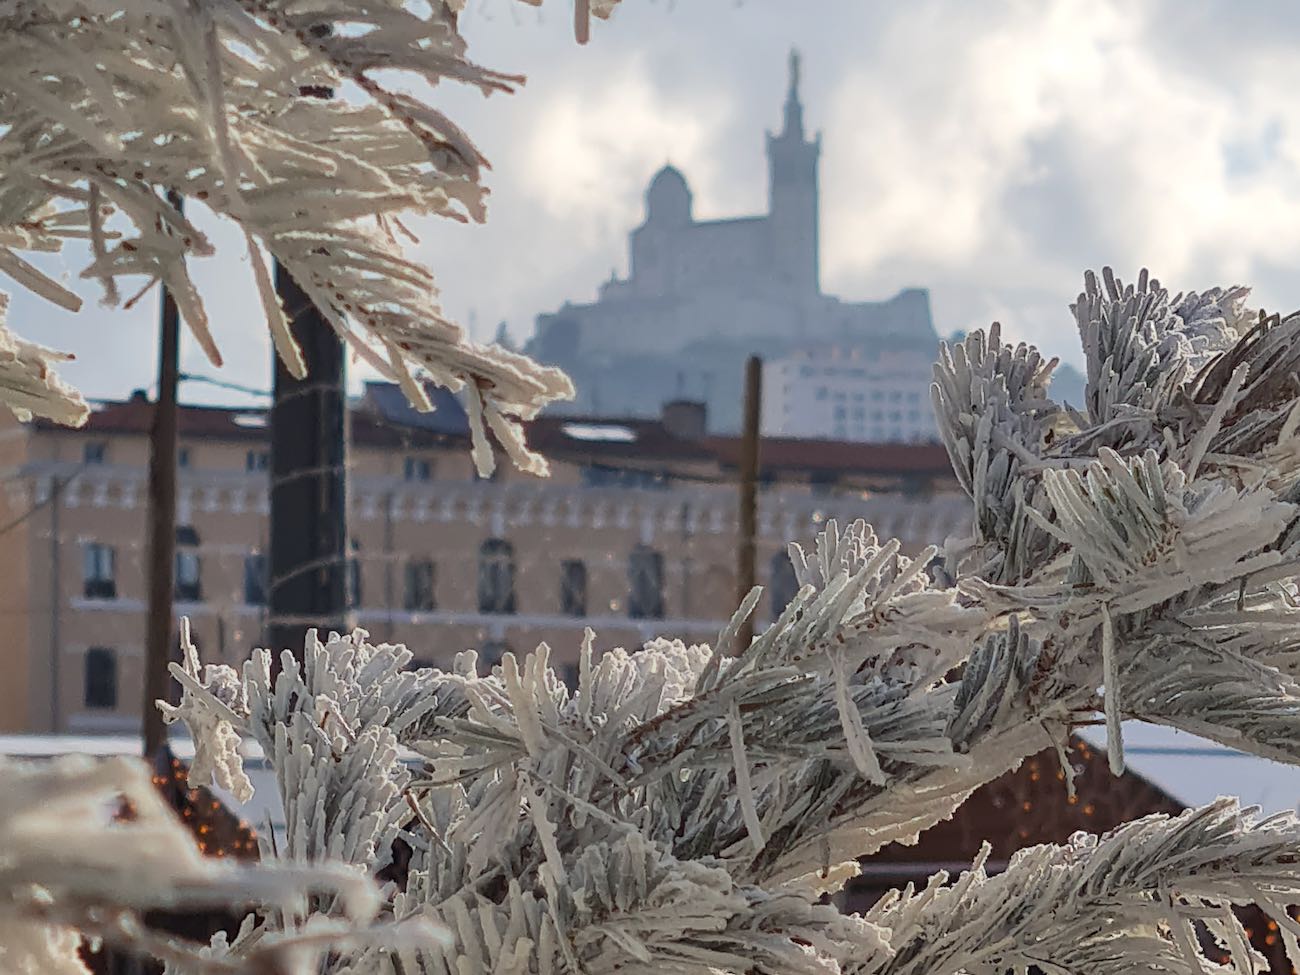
{"points": [[702, 295]]}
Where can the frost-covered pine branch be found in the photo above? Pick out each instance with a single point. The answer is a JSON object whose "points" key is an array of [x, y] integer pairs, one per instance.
{"points": [[684, 809], [29, 386], [105, 106], [72, 867]]}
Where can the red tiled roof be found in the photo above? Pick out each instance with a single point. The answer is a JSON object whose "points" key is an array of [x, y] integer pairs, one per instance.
{"points": [[652, 441], [134, 416], [646, 441], [832, 455]]}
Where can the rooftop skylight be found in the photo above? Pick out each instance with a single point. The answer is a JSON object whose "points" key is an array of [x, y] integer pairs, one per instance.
{"points": [[600, 432]]}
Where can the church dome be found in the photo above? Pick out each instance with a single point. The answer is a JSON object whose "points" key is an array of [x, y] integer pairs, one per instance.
{"points": [[668, 200]]}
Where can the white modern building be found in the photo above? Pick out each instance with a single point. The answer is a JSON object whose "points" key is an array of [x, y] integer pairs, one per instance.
{"points": [[849, 395], [702, 295]]}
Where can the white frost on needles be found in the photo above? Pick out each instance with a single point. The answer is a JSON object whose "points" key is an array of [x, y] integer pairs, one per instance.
{"points": [[71, 866], [106, 106], [29, 386], [685, 808]]}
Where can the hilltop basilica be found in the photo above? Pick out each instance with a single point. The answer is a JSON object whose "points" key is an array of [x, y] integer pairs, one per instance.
{"points": [[702, 295]]}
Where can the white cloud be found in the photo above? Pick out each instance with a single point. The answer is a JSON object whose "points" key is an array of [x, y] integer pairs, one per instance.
{"points": [[998, 153], [987, 152], [588, 152]]}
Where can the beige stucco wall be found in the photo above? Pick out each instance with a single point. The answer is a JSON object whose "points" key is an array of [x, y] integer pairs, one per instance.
{"points": [[445, 521]]}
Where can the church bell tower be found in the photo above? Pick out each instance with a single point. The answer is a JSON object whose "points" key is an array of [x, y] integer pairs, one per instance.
{"points": [[792, 195]]}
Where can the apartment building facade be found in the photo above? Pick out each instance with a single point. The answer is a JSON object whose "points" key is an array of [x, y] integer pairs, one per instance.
{"points": [[634, 535]]}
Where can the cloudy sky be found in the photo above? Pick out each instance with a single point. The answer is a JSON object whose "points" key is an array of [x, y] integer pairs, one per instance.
{"points": [[986, 151]]}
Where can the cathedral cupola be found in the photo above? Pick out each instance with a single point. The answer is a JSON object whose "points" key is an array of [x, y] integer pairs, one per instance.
{"points": [[668, 200]]}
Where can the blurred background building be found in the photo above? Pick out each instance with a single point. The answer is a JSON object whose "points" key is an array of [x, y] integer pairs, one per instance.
{"points": [[703, 295], [634, 534]]}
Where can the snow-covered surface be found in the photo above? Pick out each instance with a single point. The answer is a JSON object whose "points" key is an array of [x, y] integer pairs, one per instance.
{"points": [[1196, 771], [265, 804]]}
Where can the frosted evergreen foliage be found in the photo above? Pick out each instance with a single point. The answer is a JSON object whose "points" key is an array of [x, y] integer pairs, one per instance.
{"points": [[686, 807], [87, 847], [107, 104]]}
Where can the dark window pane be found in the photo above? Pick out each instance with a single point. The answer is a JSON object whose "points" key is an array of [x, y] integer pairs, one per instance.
{"points": [[255, 580], [101, 678], [573, 588], [645, 570], [496, 576], [491, 653], [419, 586], [99, 571], [417, 469], [782, 584], [354, 593], [189, 588]]}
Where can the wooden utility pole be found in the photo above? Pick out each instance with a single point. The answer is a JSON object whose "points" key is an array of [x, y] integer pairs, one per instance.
{"points": [[746, 548], [159, 632], [309, 445], [309, 434]]}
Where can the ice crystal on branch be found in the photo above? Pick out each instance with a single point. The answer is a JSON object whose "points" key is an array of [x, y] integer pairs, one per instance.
{"points": [[106, 106]]}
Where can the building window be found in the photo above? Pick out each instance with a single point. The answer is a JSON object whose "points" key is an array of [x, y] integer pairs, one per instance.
{"points": [[573, 588], [645, 583], [101, 678], [823, 482], [100, 572], [841, 412], [94, 452], [255, 581], [418, 594], [492, 652], [354, 576], [822, 392], [183, 457], [417, 469], [569, 674], [496, 576], [600, 475], [782, 584], [256, 461], [189, 587]]}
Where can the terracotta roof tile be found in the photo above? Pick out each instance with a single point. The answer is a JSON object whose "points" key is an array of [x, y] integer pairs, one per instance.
{"points": [[377, 422]]}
